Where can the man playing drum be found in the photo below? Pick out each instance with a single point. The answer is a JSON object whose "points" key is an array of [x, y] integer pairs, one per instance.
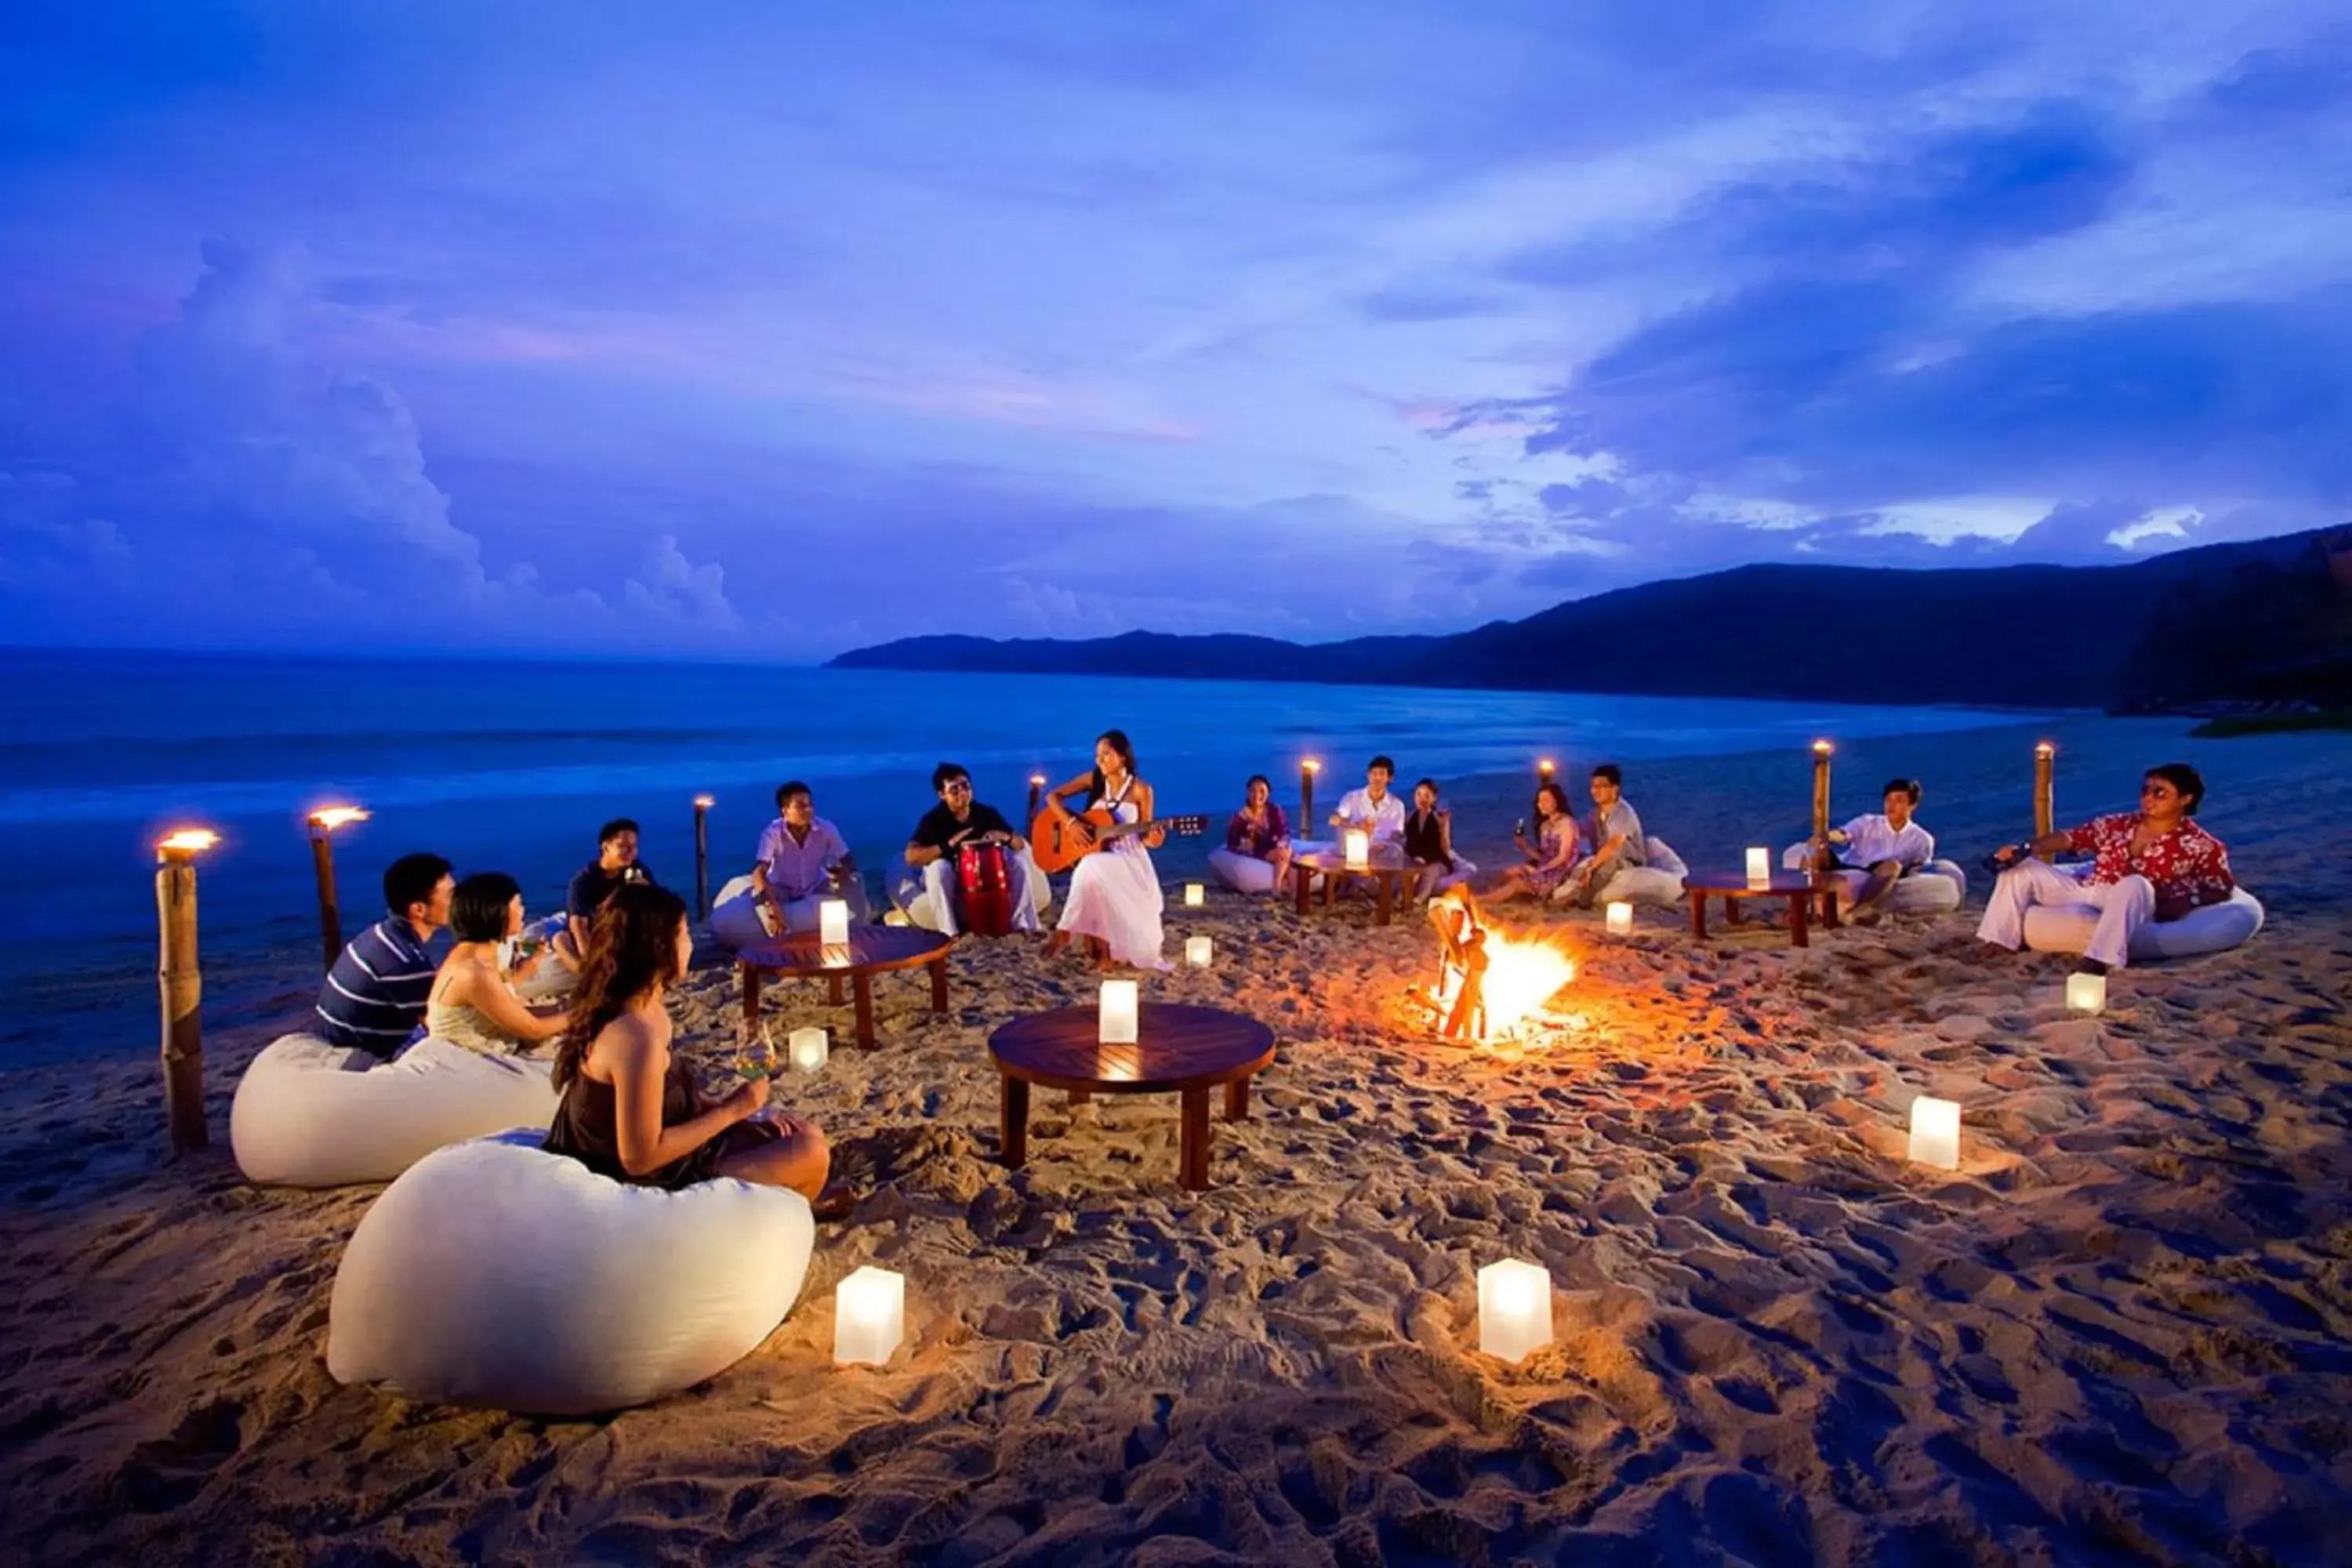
{"points": [[932, 854]]}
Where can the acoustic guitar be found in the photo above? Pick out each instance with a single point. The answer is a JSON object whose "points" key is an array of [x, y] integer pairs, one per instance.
{"points": [[1059, 844]]}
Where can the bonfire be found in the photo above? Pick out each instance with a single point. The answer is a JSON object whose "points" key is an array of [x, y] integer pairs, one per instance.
{"points": [[1489, 982]]}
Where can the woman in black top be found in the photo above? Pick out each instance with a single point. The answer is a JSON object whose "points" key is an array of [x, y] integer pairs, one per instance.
{"points": [[1429, 839]]}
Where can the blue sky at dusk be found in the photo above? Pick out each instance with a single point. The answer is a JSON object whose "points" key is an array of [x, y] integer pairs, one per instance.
{"points": [[767, 331]]}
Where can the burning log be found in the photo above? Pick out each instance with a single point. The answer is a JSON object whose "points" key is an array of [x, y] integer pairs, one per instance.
{"points": [[1488, 980]]}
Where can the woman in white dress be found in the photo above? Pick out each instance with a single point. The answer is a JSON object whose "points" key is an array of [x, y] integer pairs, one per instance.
{"points": [[1114, 899]]}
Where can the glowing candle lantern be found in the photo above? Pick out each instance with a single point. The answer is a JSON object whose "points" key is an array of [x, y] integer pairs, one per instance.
{"points": [[1195, 895], [1620, 918], [806, 1048], [1759, 865], [1513, 1309], [2086, 992], [1936, 1132], [1360, 849], [869, 1316], [1117, 1017], [1198, 950], [832, 922]]}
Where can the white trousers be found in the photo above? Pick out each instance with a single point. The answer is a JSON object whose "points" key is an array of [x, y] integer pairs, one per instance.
{"points": [[2124, 906], [939, 883], [806, 914]]}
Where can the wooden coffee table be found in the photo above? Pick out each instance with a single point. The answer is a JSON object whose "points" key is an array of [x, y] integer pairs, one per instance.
{"points": [[870, 950], [1180, 1049], [1799, 888], [1386, 866]]}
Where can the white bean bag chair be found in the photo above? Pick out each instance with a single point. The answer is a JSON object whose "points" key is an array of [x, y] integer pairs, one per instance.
{"points": [[498, 1275], [1658, 882], [307, 1115], [1934, 889], [735, 914], [2213, 928]]}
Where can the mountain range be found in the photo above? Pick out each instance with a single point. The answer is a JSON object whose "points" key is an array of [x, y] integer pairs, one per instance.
{"points": [[2252, 622]]}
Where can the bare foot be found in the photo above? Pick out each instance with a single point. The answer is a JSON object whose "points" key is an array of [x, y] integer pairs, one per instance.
{"points": [[835, 1202], [1057, 942]]}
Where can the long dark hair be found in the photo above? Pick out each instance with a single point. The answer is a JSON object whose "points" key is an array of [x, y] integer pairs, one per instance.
{"points": [[632, 946], [477, 910], [1118, 742], [1559, 798]]}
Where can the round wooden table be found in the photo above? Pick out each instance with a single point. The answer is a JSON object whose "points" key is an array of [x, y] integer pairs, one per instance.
{"points": [[1799, 888], [871, 950], [1385, 866], [1180, 1049]]}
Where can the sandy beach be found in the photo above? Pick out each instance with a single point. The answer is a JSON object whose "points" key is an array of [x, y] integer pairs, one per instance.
{"points": [[2122, 1330]]}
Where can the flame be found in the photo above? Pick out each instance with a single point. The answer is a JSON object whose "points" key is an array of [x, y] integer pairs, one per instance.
{"points": [[1311, 765], [2044, 749], [1037, 778], [1544, 764], [333, 816], [705, 802], [187, 840], [1821, 748], [1522, 973]]}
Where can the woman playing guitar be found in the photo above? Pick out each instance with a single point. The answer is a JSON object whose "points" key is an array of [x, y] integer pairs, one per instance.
{"points": [[1114, 899]]}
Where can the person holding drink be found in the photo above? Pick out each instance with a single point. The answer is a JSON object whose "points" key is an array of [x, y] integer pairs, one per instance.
{"points": [[630, 1109], [472, 1003], [1429, 841]]}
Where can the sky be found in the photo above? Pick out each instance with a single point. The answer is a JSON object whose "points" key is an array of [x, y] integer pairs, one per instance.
{"points": [[762, 332]]}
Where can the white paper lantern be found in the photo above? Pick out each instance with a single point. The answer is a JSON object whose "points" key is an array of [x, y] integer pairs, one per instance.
{"points": [[1759, 865], [832, 922], [1513, 1309], [806, 1049], [1360, 849], [869, 1316], [2086, 992], [1195, 895], [1117, 1019], [1620, 918], [1936, 1132], [1198, 950]]}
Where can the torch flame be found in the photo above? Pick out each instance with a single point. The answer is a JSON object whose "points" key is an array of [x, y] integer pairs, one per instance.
{"points": [[187, 840], [705, 802], [1544, 764], [1312, 765], [1821, 748], [2044, 749], [333, 816]]}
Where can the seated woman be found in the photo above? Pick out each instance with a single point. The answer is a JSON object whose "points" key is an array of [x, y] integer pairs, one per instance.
{"points": [[1889, 847], [2153, 864], [1115, 901], [630, 1110], [1429, 840], [1550, 858], [1256, 855], [470, 1003]]}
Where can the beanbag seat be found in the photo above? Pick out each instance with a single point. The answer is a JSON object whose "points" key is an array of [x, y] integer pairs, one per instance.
{"points": [[1658, 882], [2211, 928], [307, 1115], [497, 1274], [1934, 889]]}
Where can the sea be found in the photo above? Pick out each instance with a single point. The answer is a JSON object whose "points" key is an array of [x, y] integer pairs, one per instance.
{"points": [[509, 765]]}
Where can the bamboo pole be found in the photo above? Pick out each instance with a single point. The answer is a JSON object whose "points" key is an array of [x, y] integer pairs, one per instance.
{"points": [[1307, 771], [2045, 806], [1821, 749], [180, 985], [702, 804], [330, 915], [1036, 795]]}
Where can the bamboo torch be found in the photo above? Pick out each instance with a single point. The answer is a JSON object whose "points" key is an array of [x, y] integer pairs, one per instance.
{"points": [[181, 985], [1821, 749], [702, 804], [1544, 769], [2045, 800], [323, 823], [1307, 771], [1036, 794]]}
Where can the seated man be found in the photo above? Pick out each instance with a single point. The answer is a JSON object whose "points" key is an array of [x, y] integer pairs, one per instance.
{"points": [[1372, 808], [2150, 864], [1888, 845], [801, 861], [615, 864], [1258, 850], [1614, 831], [956, 821], [374, 995]]}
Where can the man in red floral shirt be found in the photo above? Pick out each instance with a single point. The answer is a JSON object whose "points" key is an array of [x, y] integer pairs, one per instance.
{"points": [[2150, 864]]}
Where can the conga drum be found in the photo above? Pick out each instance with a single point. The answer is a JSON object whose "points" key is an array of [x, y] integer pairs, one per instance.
{"points": [[986, 880]]}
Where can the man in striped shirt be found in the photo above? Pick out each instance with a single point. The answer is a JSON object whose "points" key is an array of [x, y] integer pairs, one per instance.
{"points": [[374, 996]]}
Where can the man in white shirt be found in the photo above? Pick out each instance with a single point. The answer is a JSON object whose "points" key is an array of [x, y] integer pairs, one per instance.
{"points": [[1373, 809], [801, 861], [1889, 847]]}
